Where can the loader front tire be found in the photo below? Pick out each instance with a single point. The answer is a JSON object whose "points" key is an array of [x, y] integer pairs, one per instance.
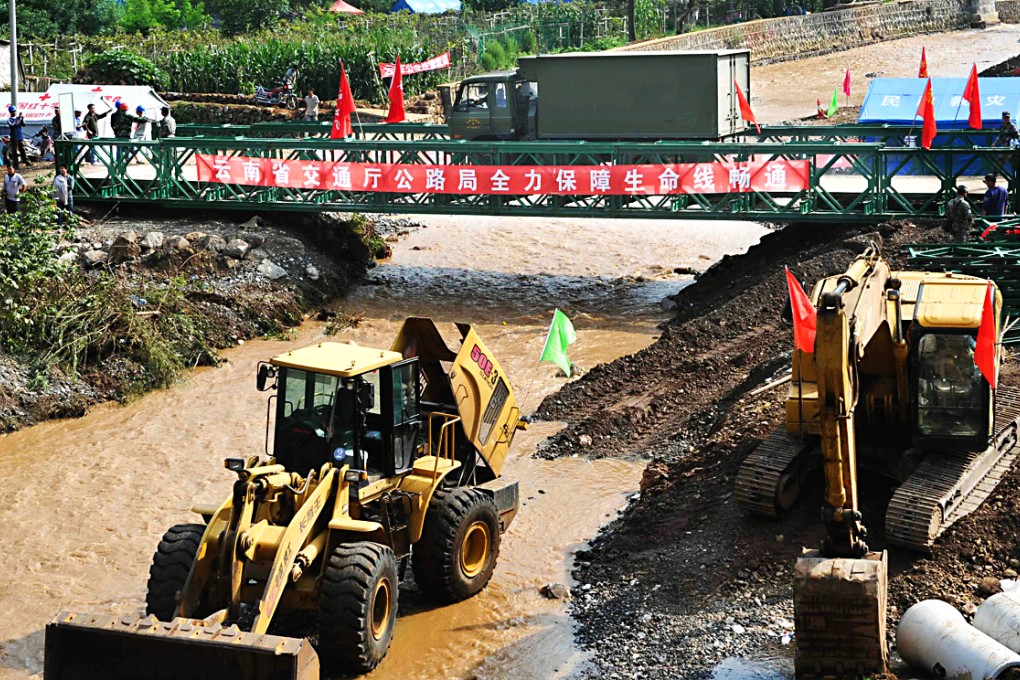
{"points": [[170, 566], [459, 545], [358, 606]]}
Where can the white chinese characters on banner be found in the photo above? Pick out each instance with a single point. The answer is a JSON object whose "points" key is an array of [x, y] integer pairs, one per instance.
{"points": [[718, 177]]}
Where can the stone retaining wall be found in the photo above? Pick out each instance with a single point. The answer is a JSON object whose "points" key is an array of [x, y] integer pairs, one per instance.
{"points": [[1009, 11], [790, 37]]}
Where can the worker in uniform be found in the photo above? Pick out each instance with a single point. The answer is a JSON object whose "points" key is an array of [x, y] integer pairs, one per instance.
{"points": [[16, 123], [959, 218], [121, 122], [1008, 133]]}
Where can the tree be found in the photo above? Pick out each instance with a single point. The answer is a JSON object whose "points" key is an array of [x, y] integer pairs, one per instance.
{"points": [[238, 16], [39, 19], [144, 15]]}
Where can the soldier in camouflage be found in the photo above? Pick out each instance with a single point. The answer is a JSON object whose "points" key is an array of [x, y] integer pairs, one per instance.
{"points": [[121, 122], [959, 218], [1008, 133]]}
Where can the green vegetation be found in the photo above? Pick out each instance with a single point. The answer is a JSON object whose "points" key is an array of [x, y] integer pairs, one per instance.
{"points": [[115, 66]]}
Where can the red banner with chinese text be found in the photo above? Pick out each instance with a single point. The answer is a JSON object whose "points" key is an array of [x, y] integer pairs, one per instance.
{"points": [[513, 180], [434, 64]]}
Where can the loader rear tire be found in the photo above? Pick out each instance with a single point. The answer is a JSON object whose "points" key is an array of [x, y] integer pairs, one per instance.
{"points": [[358, 606], [459, 545], [170, 566]]}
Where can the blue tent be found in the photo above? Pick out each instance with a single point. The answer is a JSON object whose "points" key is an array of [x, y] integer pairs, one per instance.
{"points": [[426, 6], [895, 101]]}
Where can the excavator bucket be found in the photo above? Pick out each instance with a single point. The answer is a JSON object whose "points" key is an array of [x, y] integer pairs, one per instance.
{"points": [[94, 647]]}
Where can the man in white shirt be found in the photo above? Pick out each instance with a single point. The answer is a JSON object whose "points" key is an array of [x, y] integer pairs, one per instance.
{"points": [[311, 106], [63, 188], [14, 186]]}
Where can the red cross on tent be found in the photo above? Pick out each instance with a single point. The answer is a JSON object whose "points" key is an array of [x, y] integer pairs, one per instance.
{"points": [[98, 89], [44, 97]]}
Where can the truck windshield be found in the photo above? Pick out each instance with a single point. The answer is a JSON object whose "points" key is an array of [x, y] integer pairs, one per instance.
{"points": [[473, 97], [949, 390]]}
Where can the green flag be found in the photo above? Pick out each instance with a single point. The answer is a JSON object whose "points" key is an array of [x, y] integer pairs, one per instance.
{"points": [[561, 334], [833, 105]]}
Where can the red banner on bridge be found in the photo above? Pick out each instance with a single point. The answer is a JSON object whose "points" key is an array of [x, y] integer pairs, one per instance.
{"points": [[513, 180], [433, 64]]}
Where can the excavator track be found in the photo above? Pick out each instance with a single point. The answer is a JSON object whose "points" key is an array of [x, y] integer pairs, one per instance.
{"points": [[769, 479], [948, 486]]}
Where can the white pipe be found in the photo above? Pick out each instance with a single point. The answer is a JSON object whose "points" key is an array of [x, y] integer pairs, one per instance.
{"points": [[934, 637], [999, 618]]}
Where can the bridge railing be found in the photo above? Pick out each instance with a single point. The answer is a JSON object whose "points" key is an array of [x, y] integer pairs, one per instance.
{"points": [[314, 130], [841, 180]]}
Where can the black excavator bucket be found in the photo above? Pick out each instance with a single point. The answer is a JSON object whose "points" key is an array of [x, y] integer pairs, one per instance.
{"points": [[94, 647]]}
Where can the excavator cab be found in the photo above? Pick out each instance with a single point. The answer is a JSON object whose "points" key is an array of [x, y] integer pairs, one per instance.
{"points": [[953, 397]]}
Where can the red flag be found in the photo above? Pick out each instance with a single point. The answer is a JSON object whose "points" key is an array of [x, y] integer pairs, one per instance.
{"points": [[984, 353], [344, 108], [396, 114], [973, 96], [926, 109], [846, 82], [923, 71], [805, 323], [745, 109]]}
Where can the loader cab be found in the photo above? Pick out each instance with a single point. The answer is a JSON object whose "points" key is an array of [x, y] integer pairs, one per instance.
{"points": [[347, 405], [493, 106]]}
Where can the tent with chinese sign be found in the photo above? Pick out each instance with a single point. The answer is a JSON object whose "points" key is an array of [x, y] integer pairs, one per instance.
{"points": [[105, 96], [894, 101], [37, 107], [426, 6], [341, 7]]}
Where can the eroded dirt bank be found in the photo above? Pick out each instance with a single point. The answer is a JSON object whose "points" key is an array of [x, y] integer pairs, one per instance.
{"points": [[685, 580]]}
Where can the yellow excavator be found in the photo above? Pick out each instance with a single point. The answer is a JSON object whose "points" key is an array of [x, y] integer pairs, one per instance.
{"points": [[891, 386], [376, 458]]}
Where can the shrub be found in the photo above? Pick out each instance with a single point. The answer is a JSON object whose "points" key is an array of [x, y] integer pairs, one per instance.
{"points": [[124, 66], [529, 43]]}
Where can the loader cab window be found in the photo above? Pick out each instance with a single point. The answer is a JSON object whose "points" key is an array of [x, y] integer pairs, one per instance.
{"points": [[405, 391], [950, 389], [473, 97], [305, 407]]}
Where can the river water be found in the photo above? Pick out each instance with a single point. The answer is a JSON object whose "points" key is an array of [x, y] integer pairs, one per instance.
{"points": [[83, 502]]}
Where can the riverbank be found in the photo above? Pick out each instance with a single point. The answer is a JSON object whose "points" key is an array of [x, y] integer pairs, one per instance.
{"points": [[132, 301]]}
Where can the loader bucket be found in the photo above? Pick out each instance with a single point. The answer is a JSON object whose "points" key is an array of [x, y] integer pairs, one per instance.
{"points": [[87, 647]]}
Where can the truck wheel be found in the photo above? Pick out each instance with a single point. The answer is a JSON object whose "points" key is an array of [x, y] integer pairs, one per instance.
{"points": [[170, 566], [459, 545], [358, 606]]}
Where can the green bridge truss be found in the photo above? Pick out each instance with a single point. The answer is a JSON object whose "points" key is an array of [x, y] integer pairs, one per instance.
{"points": [[863, 173]]}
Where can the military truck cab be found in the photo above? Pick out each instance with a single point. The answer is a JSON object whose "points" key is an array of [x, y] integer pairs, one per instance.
{"points": [[495, 106]]}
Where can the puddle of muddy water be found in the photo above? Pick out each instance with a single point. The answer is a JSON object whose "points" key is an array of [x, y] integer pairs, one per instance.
{"points": [[84, 502]]}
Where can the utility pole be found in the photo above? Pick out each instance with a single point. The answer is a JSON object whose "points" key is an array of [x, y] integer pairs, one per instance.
{"points": [[14, 56]]}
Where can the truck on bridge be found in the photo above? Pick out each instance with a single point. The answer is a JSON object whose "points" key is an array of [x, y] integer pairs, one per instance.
{"points": [[608, 96]]}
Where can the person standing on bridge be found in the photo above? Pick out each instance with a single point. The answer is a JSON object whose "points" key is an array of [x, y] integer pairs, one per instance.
{"points": [[167, 124], [1008, 133], [91, 125], [959, 218], [996, 199], [14, 186]]}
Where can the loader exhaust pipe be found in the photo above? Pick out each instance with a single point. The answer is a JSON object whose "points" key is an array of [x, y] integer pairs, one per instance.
{"points": [[95, 647]]}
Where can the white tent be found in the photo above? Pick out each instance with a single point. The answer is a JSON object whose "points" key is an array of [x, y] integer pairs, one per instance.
{"points": [[105, 98]]}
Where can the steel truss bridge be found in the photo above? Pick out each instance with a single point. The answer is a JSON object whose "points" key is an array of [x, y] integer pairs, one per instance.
{"points": [[857, 173]]}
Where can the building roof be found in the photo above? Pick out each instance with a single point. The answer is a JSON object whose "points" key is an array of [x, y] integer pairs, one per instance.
{"points": [[343, 8], [337, 358]]}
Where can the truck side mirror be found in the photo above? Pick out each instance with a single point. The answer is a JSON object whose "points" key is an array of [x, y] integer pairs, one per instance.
{"points": [[265, 372]]}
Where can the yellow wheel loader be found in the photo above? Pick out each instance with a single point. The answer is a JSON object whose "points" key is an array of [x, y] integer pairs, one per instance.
{"points": [[378, 458], [892, 386]]}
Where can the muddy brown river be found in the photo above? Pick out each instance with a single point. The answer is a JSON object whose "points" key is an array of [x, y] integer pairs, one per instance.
{"points": [[83, 502]]}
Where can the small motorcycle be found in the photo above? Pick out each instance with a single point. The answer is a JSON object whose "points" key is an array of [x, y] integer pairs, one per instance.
{"points": [[283, 96]]}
